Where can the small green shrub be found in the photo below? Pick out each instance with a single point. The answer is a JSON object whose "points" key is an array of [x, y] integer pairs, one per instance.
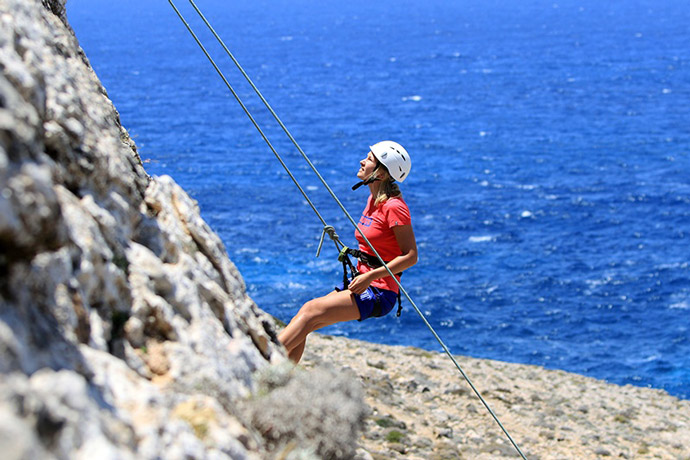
{"points": [[384, 422], [394, 436]]}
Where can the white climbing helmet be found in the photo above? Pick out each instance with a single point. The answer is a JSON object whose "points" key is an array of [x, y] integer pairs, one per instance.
{"points": [[394, 157]]}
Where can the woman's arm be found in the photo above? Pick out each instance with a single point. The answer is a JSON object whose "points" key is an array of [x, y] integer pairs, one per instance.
{"points": [[408, 246]]}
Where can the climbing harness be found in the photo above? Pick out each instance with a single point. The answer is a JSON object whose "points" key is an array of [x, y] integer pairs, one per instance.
{"points": [[327, 229], [343, 257], [366, 259]]}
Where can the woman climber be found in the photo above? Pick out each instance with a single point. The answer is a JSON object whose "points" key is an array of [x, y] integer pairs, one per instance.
{"points": [[386, 224]]}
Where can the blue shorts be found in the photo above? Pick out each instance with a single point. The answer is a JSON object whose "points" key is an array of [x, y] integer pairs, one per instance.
{"points": [[373, 302]]}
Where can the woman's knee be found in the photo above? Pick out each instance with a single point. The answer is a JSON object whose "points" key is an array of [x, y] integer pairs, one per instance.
{"points": [[323, 311], [317, 313], [311, 312]]}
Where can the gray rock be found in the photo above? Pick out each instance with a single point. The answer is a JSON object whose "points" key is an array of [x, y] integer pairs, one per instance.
{"points": [[125, 330]]}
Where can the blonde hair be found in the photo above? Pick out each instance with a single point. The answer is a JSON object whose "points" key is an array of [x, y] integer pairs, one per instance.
{"points": [[388, 187]]}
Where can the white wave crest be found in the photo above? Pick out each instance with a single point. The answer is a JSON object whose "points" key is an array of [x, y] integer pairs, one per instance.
{"points": [[481, 239], [684, 305]]}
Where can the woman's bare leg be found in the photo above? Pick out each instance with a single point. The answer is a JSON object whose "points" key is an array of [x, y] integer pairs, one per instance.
{"points": [[333, 308], [295, 354]]}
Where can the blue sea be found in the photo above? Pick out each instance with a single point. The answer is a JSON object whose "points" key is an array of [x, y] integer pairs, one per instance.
{"points": [[550, 187]]}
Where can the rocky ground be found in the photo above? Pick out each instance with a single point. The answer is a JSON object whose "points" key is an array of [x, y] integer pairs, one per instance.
{"points": [[421, 408]]}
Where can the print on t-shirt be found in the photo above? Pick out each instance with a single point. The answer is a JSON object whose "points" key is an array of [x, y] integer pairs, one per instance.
{"points": [[365, 221]]}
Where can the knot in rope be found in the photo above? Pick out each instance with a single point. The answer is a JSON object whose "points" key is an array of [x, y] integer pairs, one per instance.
{"points": [[330, 231]]}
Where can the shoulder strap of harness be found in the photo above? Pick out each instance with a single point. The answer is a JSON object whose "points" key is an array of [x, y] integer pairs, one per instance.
{"points": [[347, 264]]}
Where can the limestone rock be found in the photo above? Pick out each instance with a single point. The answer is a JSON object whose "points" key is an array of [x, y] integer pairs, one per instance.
{"points": [[125, 330]]}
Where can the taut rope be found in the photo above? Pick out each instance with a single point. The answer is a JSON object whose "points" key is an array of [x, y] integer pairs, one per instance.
{"points": [[327, 228]]}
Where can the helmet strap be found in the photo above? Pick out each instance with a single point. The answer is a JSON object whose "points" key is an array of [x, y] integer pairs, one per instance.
{"points": [[365, 182]]}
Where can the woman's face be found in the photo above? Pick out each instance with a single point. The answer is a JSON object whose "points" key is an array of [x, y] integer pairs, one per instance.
{"points": [[367, 166]]}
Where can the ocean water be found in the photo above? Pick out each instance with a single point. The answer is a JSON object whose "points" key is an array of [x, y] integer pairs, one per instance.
{"points": [[550, 188]]}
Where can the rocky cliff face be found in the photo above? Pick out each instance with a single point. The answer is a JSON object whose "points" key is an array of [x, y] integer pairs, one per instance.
{"points": [[125, 330]]}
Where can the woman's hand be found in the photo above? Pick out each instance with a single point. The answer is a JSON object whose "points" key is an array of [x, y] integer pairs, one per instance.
{"points": [[360, 283]]}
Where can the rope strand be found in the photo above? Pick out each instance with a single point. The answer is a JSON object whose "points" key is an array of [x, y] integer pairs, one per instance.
{"points": [[251, 118], [333, 195]]}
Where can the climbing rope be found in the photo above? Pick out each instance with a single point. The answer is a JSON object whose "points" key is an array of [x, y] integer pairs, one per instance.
{"points": [[327, 230]]}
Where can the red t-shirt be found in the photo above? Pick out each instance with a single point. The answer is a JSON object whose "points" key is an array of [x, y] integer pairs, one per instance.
{"points": [[377, 225]]}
